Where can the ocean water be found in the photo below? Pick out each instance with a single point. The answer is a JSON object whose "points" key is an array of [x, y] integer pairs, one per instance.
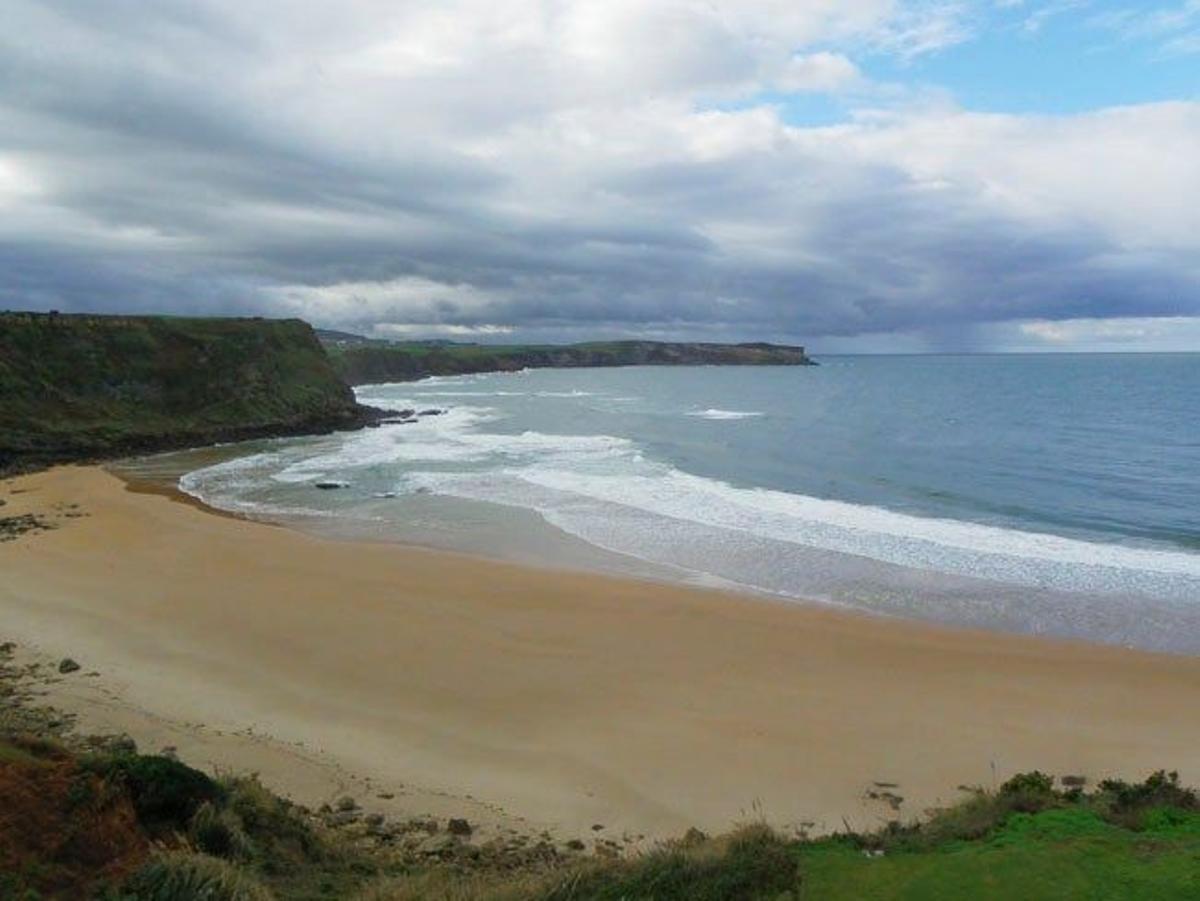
{"points": [[1046, 494]]}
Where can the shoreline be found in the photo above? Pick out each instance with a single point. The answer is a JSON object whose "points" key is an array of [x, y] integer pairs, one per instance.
{"points": [[563, 553], [567, 699], [636, 570]]}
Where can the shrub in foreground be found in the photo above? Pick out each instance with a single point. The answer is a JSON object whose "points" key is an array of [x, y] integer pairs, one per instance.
{"points": [[182, 876], [1130, 804], [165, 792], [219, 833], [750, 864]]}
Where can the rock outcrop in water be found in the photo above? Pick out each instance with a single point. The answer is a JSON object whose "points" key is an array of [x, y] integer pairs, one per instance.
{"points": [[83, 387], [362, 361]]}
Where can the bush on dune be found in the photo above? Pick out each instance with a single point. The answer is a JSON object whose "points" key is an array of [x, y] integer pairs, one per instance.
{"points": [[973, 818], [184, 876], [752, 863], [449, 885], [283, 838], [220, 833], [165, 792], [1130, 805]]}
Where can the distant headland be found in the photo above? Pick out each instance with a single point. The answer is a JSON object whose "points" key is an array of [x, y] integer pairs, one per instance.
{"points": [[364, 361], [85, 387]]}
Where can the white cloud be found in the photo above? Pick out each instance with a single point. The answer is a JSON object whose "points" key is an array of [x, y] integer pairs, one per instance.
{"points": [[425, 330], [423, 300], [1034, 22], [567, 165], [1174, 28], [17, 180], [824, 72], [1127, 172], [918, 29], [1174, 332]]}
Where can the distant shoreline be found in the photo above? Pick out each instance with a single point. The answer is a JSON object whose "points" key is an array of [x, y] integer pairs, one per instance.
{"points": [[363, 361]]}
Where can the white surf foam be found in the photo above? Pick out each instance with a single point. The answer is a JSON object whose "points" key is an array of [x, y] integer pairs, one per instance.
{"points": [[554, 474], [588, 504], [582, 483], [716, 414], [232, 486]]}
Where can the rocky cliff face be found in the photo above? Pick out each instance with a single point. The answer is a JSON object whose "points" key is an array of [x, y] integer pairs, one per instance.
{"points": [[74, 387], [364, 362]]}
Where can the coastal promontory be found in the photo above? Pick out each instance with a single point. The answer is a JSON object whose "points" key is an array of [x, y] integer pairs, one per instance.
{"points": [[362, 361], [84, 386]]}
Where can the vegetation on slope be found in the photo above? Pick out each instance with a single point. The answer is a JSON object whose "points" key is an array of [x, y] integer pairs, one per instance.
{"points": [[91, 386], [88, 817], [88, 827], [363, 362]]}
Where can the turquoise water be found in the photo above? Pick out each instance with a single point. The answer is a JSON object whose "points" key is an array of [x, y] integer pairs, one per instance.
{"points": [[1050, 494]]}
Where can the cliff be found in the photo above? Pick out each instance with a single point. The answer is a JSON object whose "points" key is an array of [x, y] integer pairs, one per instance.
{"points": [[361, 361], [82, 386]]}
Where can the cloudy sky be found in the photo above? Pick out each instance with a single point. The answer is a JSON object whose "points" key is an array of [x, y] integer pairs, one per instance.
{"points": [[848, 174]]}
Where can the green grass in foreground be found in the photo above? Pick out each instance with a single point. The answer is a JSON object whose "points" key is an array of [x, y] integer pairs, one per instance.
{"points": [[1055, 854]]}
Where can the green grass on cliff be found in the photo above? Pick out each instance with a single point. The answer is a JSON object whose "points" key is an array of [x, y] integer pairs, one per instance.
{"points": [[96, 384]]}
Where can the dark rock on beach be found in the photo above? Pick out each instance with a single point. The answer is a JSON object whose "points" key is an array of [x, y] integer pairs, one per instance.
{"points": [[438, 845], [343, 817], [11, 527]]}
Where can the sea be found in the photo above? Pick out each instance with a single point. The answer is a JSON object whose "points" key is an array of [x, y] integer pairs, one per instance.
{"points": [[1047, 494]]}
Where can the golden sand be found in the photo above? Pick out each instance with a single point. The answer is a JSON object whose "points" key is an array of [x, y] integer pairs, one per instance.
{"points": [[566, 699]]}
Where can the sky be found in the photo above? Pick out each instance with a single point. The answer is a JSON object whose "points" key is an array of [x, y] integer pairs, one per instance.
{"points": [[852, 175]]}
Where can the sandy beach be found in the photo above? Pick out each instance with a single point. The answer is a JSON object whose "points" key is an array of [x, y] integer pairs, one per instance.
{"points": [[555, 699]]}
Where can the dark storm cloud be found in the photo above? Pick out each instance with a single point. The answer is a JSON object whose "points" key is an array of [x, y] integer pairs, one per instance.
{"points": [[181, 158]]}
